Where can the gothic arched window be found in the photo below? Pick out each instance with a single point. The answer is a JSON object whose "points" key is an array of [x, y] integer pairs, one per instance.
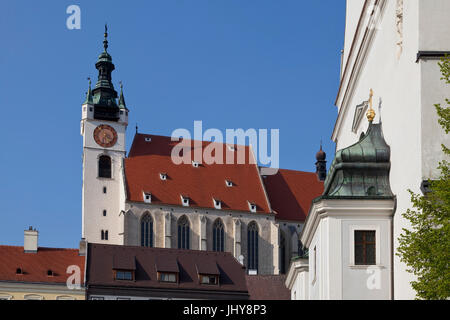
{"points": [[147, 231], [218, 236], [104, 167], [252, 245], [183, 233], [282, 253]]}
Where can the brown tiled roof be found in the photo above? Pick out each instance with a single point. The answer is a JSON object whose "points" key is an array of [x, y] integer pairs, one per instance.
{"points": [[147, 159], [36, 265], [149, 260], [291, 192], [270, 287]]}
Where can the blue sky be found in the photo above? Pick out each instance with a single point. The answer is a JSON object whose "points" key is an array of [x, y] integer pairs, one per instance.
{"points": [[266, 64]]}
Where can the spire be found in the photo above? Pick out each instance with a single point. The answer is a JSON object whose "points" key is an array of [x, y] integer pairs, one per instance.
{"points": [[105, 41], [104, 94], [89, 98], [370, 113], [122, 104]]}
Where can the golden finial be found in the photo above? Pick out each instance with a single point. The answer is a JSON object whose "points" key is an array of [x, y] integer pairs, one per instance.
{"points": [[370, 113]]}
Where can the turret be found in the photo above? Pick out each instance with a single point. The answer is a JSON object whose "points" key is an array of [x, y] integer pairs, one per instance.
{"points": [[321, 164]]}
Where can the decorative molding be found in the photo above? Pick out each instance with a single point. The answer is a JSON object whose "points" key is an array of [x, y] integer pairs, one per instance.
{"points": [[360, 110], [297, 267]]}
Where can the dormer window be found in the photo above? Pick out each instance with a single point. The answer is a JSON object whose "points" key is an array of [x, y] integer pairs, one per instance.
{"points": [[148, 139], [50, 273], [195, 164], [19, 271], [252, 207], [228, 183], [185, 201], [217, 204], [124, 275], [209, 279], [147, 197], [231, 148], [167, 277], [163, 176]]}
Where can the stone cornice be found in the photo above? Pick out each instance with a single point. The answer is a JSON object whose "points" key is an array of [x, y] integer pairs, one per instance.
{"points": [[370, 208], [296, 267]]}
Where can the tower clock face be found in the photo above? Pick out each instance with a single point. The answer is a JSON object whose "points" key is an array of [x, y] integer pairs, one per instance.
{"points": [[105, 136]]}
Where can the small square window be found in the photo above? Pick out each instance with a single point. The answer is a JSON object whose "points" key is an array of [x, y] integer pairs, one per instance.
{"points": [[228, 183], [365, 252], [252, 207]]}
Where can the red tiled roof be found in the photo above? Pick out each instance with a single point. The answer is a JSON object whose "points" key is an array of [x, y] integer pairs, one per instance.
{"points": [[149, 261], [291, 192], [270, 287], [147, 160], [36, 265]]}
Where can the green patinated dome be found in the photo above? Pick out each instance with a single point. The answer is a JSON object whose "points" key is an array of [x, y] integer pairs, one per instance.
{"points": [[104, 57], [362, 169]]}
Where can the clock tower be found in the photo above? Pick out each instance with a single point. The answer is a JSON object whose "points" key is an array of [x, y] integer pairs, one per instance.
{"points": [[104, 121]]}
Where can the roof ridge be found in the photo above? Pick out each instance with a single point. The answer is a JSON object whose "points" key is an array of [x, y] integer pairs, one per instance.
{"points": [[163, 136], [13, 246]]}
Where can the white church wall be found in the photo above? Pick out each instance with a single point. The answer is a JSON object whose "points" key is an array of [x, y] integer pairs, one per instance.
{"points": [[366, 282], [404, 94], [433, 25], [315, 265]]}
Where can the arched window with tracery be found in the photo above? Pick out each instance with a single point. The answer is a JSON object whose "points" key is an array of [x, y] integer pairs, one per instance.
{"points": [[147, 231], [218, 236], [183, 233], [104, 166], [252, 246]]}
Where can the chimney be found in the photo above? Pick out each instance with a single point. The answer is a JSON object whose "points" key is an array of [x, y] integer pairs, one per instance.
{"points": [[30, 241], [82, 249]]}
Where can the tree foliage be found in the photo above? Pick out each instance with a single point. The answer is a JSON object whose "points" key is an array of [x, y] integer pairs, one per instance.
{"points": [[425, 248]]}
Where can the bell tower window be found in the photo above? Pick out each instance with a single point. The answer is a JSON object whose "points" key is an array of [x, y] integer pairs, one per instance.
{"points": [[104, 167]]}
